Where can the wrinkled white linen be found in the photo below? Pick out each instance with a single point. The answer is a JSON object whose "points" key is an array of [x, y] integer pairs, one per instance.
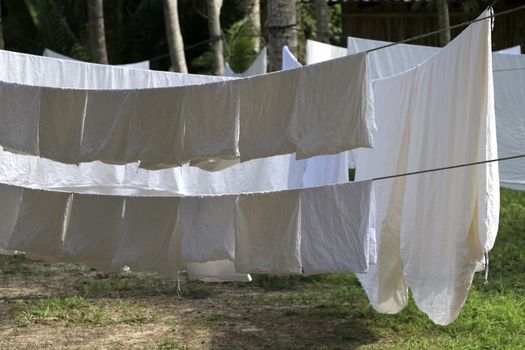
{"points": [[250, 232], [338, 228], [267, 233], [283, 119], [509, 79], [257, 67], [136, 65], [274, 173], [434, 228]]}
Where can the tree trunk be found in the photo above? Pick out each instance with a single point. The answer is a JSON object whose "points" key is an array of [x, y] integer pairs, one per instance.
{"points": [[444, 22], [282, 30], [214, 27], [2, 46], [322, 20], [174, 36], [253, 11], [97, 36]]}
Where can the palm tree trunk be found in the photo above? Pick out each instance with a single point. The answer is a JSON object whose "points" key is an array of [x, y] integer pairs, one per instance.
{"points": [[282, 30], [322, 20], [97, 35], [214, 27], [444, 22], [253, 11], [174, 36], [2, 46]]}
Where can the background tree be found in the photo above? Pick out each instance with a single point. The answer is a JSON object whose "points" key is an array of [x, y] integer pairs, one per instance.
{"points": [[253, 13], [97, 35], [444, 21], [281, 30], [214, 27], [322, 20], [174, 36]]}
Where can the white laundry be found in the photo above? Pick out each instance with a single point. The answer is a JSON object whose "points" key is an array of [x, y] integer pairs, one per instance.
{"points": [[149, 237], [267, 233], [136, 65], [319, 52], [270, 106], [92, 230], [434, 228], [39, 223], [98, 178], [509, 78], [338, 228], [289, 60], [207, 229], [257, 67], [513, 50]]}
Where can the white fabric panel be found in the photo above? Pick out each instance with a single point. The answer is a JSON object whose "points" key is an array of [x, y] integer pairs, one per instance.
{"points": [[207, 229], [149, 238], [257, 67], [289, 60], [291, 117], [513, 50], [10, 198], [40, 222], [435, 226], [267, 233], [337, 233], [253, 176], [136, 65], [509, 79], [319, 52], [91, 235]]}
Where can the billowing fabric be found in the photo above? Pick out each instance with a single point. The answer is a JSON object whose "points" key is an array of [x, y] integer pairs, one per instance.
{"points": [[289, 60], [434, 228], [214, 238], [319, 52], [136, 65], [159, 125], [509, 96], [257, 67], [271, 174]]}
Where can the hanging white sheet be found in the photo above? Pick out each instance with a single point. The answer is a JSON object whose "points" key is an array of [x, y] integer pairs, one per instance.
{"points": [[136, 65], [269, 174], [112, 126], [165, 234], [513, 50], [433, 229], [319, 52], [257, 67], [509, 95]]}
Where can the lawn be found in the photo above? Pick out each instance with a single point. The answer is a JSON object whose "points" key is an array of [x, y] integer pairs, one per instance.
{"points": [[49, 306]]}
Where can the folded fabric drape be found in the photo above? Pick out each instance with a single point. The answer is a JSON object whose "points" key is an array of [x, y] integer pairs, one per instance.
{"points": [[433, 229], [165, 234], [136, 65], [319, 52], [509, 96], [257, 67], [261, 116]]}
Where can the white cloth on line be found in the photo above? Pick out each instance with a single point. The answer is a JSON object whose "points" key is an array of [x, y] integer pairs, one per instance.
{"points": [[318, 52], [275, 173], [289, 60], [513, 50], [136, 65], [257, 67], [433, 229], [281, 120], [338, 228], [509, 79], [157, 234]]}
